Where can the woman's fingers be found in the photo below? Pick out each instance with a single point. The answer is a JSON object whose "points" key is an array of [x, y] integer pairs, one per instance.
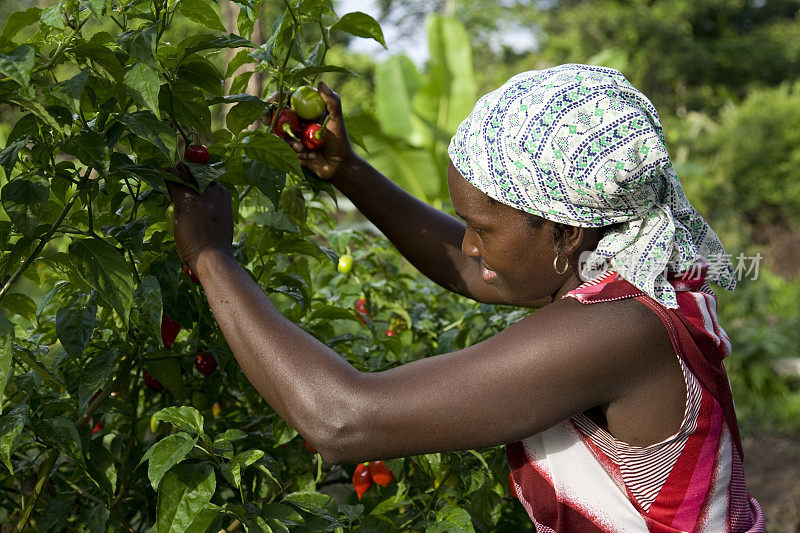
{"points": [[332, 101]]}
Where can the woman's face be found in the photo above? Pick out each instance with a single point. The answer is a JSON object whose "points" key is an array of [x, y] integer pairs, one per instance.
{"points": [[516, 259]]}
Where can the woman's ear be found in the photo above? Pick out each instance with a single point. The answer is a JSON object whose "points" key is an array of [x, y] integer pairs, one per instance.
{"points": [[576, 239]]}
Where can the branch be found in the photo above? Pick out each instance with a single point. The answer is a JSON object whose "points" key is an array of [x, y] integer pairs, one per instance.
{"points": [[42, 242]]}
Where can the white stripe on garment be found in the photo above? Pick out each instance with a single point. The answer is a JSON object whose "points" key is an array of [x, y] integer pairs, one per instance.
{"points": [[587, 488]]}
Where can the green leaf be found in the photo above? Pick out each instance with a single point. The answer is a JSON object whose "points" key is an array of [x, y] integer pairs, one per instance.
{"points": [[146, 310], [18, 20], [361, 25], [230, 435], [145, 125], [269, 181], [233, 98], [203, 519], [104, 269], [94, 520], [273, 151], [202, 73], [9, 157], [184, 417], [307, 72], [183, 494], [241, 58], [91, 149], [18, 65], [69, 91], [24, 200], [104, 61], [30, 104], [200, 12], [94, 374], [11, 426], [198, 43], [60, 432], [167, 370], [141, 44], [187, 105], [317, 504], [242, 115], [165, 454], [232, 470], [282, 432], [142, 84], [396, 82], [75, 324], [130, 235], [6, 352], [152, 176], [452, 519], [101, 467], [20, 304], [51, 16], [95, 6], [205, 174]]}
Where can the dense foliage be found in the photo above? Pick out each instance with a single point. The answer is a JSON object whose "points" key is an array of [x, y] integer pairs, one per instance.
{"points": [[123, 407]]}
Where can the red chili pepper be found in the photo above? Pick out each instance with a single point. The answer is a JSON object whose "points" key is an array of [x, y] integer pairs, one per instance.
{"points": [[380, 473], [287, 124], [362, 479], [188, 272], [310, 447], [361, 310], [390, 333], [197, 153], [97, 427], [315, 136], [151, 382], [205, 363], [169, 330]]}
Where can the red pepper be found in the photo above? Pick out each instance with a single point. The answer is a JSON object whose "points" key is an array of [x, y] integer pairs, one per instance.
{"points": [[197, 153], [188, 272], [97, 427], [205, 363], [310, 447], [287, 124], [362, 479], [151, 382], [169, 330], [361, 310], [315, 136], [380, 473], [390, 333]]}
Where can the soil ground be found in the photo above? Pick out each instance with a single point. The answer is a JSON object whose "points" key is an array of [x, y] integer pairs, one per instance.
{"points": [[772, 471]]}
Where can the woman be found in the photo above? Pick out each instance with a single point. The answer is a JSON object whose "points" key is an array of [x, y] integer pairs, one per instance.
{"points": [[622, 428]]}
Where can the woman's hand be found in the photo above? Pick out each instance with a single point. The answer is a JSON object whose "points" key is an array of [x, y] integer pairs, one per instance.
{"points": [[337, 152], [203, 222]]}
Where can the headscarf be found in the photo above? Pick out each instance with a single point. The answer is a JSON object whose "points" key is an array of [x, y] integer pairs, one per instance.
{"points": [[579, 145]]}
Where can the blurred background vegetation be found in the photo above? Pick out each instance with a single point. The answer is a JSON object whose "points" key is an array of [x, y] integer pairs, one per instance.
{"points": [[722, 73]]}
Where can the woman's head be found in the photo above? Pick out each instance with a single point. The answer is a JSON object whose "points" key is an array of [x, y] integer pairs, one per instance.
{"points": [[579, 146], [519, 251]]}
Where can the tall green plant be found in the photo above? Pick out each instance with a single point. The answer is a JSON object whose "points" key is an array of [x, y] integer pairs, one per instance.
{"points": [[417, 112]]}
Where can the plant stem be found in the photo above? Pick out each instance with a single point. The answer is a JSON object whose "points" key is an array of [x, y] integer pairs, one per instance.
{"points": [[61, 48], [44, 473], [42, 242]]}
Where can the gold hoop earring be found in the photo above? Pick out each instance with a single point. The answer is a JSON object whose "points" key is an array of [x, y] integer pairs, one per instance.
{"points": [[555, 265]]}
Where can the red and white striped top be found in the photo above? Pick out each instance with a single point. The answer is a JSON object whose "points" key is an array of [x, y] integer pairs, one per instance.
{"points": [[576, 477]]}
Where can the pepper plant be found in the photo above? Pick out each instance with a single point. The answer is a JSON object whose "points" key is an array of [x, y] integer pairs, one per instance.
{"points": [[122, 407]]}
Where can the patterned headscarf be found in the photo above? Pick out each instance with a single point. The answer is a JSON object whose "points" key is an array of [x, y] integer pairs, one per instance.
{"points": [[579, 145]]}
